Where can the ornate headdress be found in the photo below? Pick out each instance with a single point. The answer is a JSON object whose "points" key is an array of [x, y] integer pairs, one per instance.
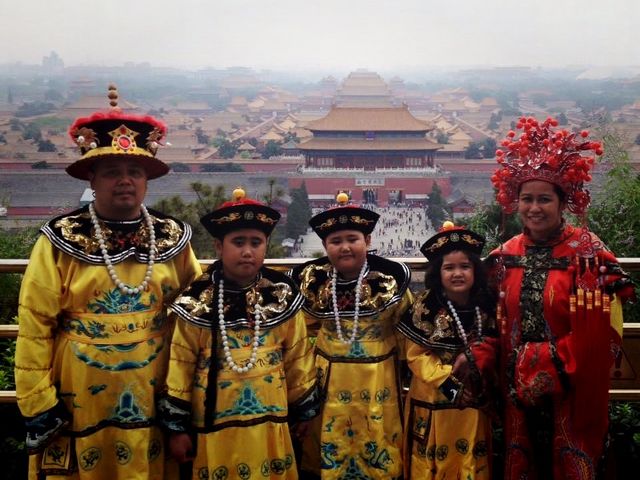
{"points": [[542, 153], [344, 217], [451, 238], [240, 213], [113, 134]]}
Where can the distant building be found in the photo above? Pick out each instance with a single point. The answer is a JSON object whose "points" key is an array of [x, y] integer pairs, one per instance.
{"points": [[377, 155]]}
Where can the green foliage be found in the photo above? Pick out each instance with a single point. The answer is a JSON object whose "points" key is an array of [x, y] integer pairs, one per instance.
{"points": [[208, 199], [30, 109], [202, 137], [31, 131], [41, 165], [487, 220], [437, 209], [3, 139], [221, 167], [299, 212], [46, 146], [562, 119], [17, 245], [7, 363], [226, 149], [271, 149], [179, 167], [637, 141], [624, 428], [442, 138]]}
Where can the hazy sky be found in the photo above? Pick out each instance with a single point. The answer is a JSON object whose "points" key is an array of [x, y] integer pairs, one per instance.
{"points": [[323, 34]]}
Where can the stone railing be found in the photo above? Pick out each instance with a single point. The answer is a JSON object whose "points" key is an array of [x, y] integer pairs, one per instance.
{"points": [[624, 381]]}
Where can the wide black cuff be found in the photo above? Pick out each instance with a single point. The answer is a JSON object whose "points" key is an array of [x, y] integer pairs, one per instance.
{"points": [[307, 407], [43, 428], [451, 388], [174, 414]]}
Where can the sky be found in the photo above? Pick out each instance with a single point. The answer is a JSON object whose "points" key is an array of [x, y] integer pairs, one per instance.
{"points": [[323, 34]]}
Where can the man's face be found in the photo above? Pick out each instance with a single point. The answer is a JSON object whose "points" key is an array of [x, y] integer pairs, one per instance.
{"points": [[242, 253], [120, 185], [347, 251]]}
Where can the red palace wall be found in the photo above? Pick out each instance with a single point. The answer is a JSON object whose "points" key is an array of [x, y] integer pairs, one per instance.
{"points": [[405, 185]]}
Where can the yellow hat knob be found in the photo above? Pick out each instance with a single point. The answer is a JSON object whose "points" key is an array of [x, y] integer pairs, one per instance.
{"points": [[342, 198], [448, 225], [238, 194]]}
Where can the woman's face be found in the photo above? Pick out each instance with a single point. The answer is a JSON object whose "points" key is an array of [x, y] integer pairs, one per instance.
{"points": [[540, 209], [457, 276]]}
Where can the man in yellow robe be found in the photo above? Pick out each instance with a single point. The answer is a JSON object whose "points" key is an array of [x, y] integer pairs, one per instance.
{"points": [[93, 343]]}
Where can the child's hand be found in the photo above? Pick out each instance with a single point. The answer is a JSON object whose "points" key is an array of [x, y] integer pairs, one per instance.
{"points": [[300, 430], [181, 447]]}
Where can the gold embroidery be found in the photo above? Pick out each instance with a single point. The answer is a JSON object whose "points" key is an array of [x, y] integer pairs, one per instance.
{"points": [[357, 219], [439, 243], [443, 328], [88, 244], [281, 291], [197, 307], [328, 224], [470, 240], [232, 217], [265, 219], [420, 311]]}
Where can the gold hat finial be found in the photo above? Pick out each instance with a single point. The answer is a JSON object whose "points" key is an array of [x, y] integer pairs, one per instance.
{"points": [[448, 225], [342, 198], [238, 194], [113, 97]]}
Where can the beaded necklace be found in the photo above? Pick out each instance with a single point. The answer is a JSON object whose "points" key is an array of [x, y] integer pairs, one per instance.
{"points": [[456, 318], [124, 288], [356, 311], [225, 339]]}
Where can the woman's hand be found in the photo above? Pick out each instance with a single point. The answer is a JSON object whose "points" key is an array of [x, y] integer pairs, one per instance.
{"points": [[181, 447]]}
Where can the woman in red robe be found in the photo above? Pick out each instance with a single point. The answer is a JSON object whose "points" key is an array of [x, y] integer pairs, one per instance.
{"points": [[560, 312]]}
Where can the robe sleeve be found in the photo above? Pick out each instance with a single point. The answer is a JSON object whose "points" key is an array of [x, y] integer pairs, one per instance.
{"points": [[38, 311], [174, 406], [429, 368]]}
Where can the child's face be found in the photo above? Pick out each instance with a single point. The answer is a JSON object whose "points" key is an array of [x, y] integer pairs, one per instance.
{"points": [[347, 251], [242, 253], [457, 276]]}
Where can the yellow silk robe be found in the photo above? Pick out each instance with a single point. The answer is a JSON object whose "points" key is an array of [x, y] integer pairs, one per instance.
{"points": [[359, 431], [247, 434], [94, 358]]}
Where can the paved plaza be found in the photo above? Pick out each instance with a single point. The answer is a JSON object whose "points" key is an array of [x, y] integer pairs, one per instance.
{"points": [[399, 233]]}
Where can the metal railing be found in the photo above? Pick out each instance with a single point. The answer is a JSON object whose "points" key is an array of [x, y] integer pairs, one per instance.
{"points": [[631, 330]]}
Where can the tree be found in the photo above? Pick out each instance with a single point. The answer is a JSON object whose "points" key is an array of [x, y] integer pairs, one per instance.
{"points": [[489, 221], [437, 209], [562, 119], [442, 138], [271, 149], [179, 167], [30, 109], [226, 149], [3, 139], [221, 167], [274, 192], [201, 136], [299, 212], [637, 142], [46, 146], [208, 198], [32, 132], [41, 165], [473, 151]]}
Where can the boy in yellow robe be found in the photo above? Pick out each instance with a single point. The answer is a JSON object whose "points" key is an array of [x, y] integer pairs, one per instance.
{"points": [[241, 366], [357, 298]]}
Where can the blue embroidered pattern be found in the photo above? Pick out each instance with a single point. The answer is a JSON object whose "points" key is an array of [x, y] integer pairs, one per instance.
{"points": [[248, 403]]}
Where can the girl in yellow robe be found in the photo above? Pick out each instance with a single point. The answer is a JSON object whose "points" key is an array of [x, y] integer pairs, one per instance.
{"points": [[451, 355]]}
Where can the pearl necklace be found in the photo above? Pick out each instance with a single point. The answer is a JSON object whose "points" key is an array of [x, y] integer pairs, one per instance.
{"points": [[461, 332], [225, 339], [356, 312], [124, 288]]}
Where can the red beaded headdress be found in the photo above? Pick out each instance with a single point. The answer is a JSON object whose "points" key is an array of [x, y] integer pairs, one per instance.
{"points": [[542, 153]]}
